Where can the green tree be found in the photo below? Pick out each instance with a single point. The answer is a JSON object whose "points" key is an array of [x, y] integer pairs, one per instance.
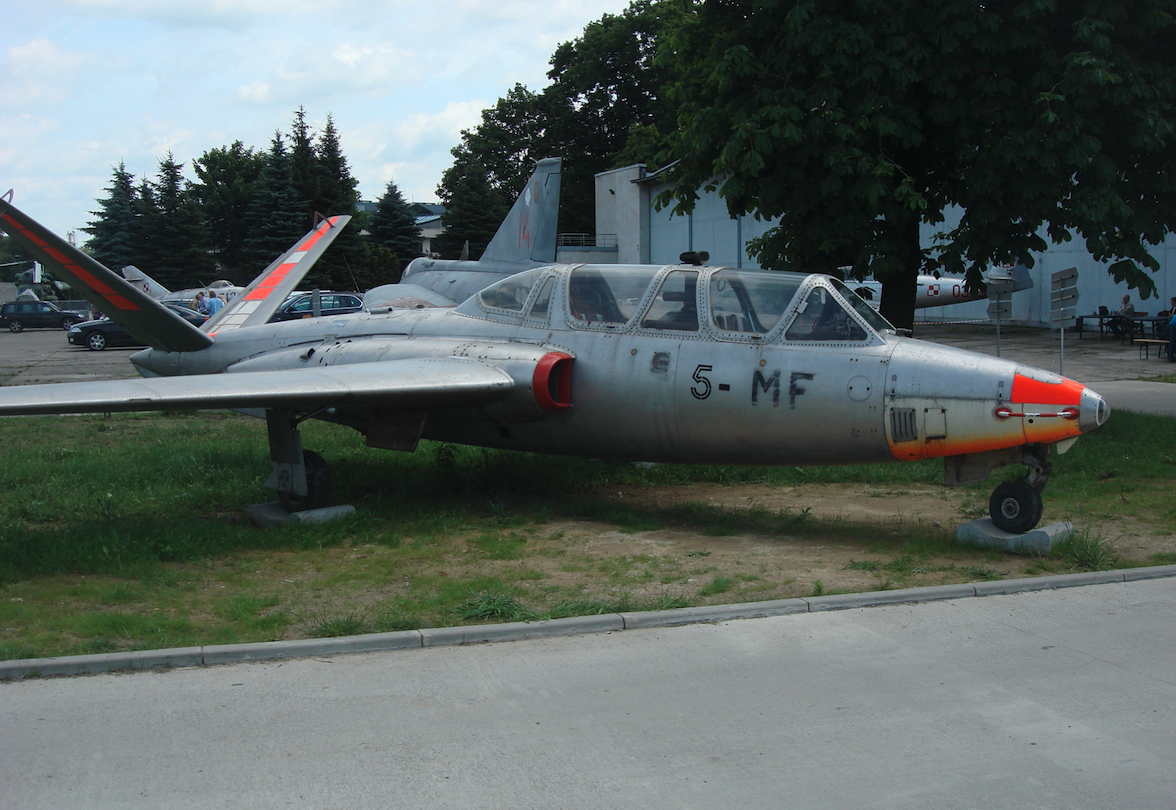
{"points": [[275, 216], [507, 144], [604, 104], [344, 266], [115, 240], [304, 170], [473, 211], [177, 232], [854, 122], [393, 225], [227, 177]]}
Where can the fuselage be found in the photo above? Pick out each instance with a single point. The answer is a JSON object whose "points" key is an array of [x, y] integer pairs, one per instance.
{"points": [[685, 364]]}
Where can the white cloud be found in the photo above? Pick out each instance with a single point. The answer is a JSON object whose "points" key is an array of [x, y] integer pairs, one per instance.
{"points": [[444, 126], [38, 74], [87, 83]]}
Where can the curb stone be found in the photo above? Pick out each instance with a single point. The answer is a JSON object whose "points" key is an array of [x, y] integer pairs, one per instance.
{"points": [[572, 626]]}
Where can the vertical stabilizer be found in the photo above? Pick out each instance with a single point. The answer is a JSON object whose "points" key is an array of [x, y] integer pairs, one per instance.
{"points": [[143, 281], [527, 235]]}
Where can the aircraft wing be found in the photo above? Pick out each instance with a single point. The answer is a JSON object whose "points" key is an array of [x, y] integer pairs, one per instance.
{"points": [[127, 305], [257, 303], [411, 383]]}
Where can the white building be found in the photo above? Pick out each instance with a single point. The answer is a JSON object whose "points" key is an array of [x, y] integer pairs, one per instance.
{"points": [[624, 208]]}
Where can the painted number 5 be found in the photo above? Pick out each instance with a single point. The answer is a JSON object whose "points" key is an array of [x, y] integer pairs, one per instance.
{"points": [[705, 391]]}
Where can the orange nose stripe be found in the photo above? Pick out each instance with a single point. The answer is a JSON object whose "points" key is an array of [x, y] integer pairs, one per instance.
{"points": [[1067, 392]]}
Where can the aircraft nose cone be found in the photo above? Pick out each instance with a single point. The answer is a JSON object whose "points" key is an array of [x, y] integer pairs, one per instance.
{"points": [[1093, 411]]}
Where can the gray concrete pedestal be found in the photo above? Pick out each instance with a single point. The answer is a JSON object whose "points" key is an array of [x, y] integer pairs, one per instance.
{"points": [[983, 532], [270, 515]]}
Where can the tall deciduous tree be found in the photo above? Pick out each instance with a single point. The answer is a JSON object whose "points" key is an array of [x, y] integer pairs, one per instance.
{"points": [[506, 145], [604, 104], [855, 122]]}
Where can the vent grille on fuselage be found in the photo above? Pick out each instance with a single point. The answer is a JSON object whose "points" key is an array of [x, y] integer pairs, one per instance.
{"points": [[902, 425]]}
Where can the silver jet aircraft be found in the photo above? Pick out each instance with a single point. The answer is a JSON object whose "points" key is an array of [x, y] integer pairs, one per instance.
{"points": [[225, 290], [676, 364], [944, 290], [525, 239]]}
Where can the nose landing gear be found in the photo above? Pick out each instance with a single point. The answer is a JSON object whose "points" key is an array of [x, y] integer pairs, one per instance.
{"points": [[1015, 507]]}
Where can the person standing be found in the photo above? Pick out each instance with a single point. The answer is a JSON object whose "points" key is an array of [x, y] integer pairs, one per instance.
{"points": [[214, 303], [1172, 330]]}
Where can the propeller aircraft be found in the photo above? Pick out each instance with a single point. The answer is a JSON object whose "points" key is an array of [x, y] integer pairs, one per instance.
{"points": [[680, 364]]}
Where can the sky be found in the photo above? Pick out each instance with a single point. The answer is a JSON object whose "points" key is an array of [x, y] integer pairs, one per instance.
{"points": [[85, 84]]}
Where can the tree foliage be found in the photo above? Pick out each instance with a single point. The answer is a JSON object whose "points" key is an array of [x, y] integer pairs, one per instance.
{"points": [[114, 231], [605, 87], [275, 214], [856, 121], [473, 211], [245, 209], [227, 178], [393, 225]]}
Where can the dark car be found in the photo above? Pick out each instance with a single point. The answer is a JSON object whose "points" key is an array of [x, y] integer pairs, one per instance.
{"points": [[21, 315], [97, 335], [332, 303]]}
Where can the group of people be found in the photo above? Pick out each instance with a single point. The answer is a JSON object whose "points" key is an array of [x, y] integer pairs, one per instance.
{"points": [[1122, 323], [207, 306]]}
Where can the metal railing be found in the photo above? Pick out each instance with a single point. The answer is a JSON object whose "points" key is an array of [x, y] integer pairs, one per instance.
{"points": [[605, 240]]}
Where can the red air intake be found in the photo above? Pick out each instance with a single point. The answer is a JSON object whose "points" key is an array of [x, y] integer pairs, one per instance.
{"points": [[552, 382]]}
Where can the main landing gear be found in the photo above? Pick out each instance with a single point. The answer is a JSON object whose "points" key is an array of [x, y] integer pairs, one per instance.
{"points": [[301, 477], [1015, 507]]}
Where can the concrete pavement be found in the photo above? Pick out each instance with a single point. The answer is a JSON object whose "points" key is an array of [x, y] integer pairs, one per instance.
{"points": [[1056, 698], [1060, 698]]}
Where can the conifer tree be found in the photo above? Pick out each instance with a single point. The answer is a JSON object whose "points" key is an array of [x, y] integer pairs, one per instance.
{"points": [[473, 211], [393, 225], [179, 234], [275, 218], [344, 265], [304, 171], [114, 233]]}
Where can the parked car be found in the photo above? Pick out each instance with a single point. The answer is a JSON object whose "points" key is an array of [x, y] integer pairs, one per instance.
{"points": [[301, 305], [97, 335], [21, 315]]}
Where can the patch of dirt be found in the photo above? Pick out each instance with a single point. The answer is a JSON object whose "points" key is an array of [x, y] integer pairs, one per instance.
{"points": [[839, 538]]}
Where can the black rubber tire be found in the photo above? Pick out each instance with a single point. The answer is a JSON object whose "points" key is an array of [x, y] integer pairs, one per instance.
{"points": [[15, 326], [96, 341], [1015, 507], [318, 486], [69, 323]]}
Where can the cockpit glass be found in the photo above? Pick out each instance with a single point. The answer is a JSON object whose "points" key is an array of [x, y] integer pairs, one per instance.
{"points": [[543, 300], [751, 302], [675, 307], [607, 298], [822, 317], [868, 313], [511, 293]]}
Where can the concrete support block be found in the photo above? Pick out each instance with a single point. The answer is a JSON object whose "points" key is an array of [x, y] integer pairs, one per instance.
{"points": [[272, 515], [983, 532]]}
